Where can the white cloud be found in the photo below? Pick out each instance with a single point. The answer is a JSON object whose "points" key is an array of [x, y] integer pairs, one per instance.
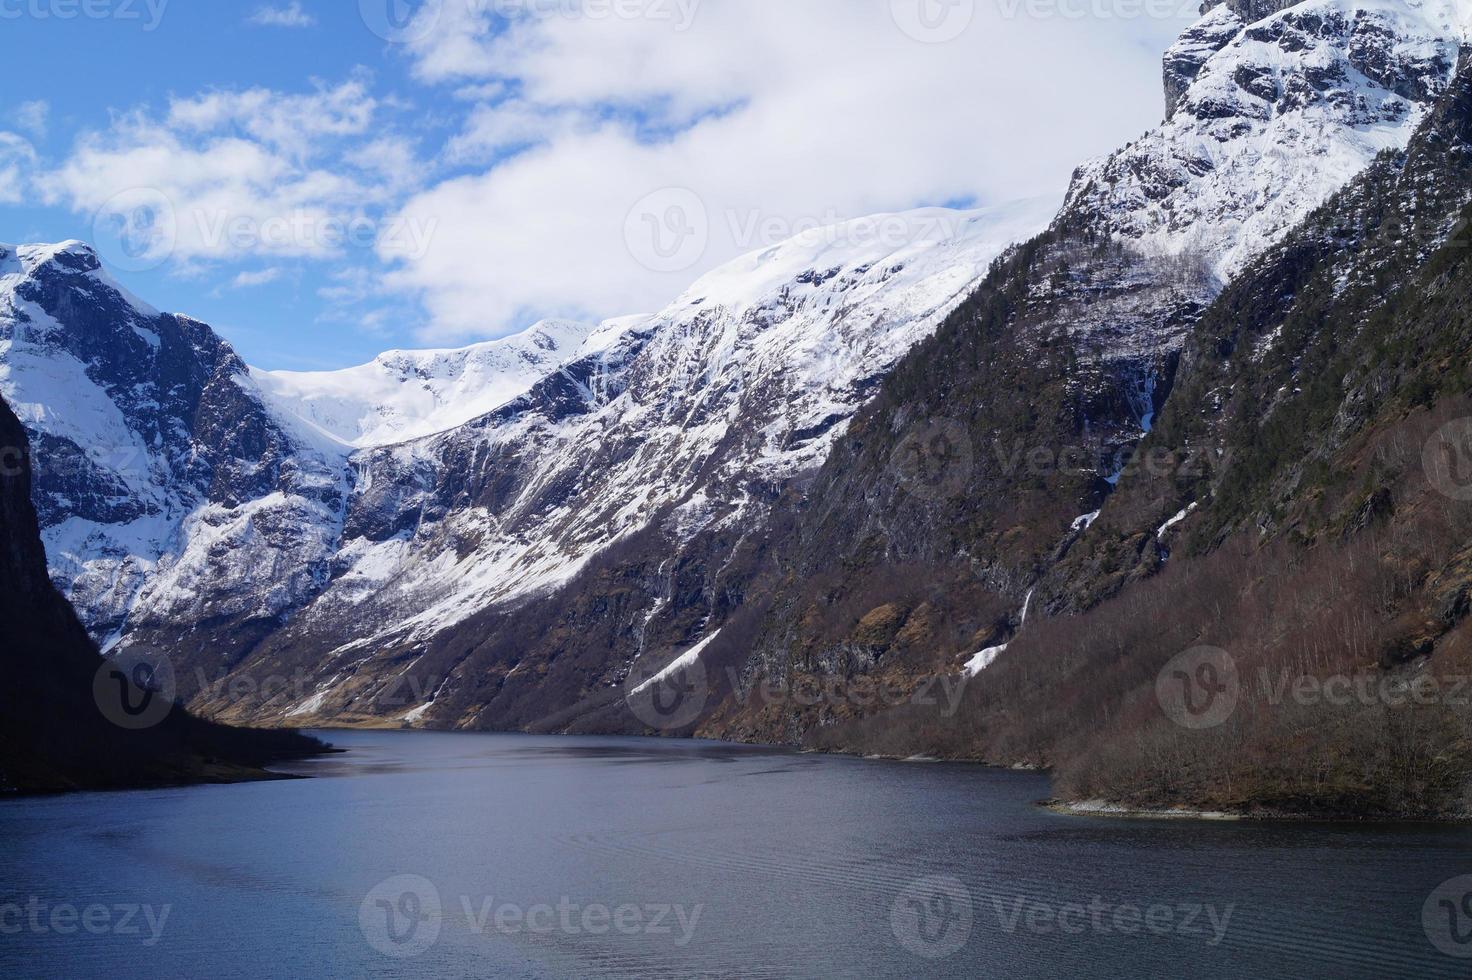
{"points": [[296, 123], [774, 115], [238, 174], [17, 164], [291, 15], [248, 280], [33, 117]]}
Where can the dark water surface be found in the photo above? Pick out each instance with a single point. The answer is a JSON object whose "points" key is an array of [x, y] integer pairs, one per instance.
{"points": [[429, 855]]}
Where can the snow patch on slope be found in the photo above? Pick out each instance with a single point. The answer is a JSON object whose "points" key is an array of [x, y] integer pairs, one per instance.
{"points": [[686, 659]]}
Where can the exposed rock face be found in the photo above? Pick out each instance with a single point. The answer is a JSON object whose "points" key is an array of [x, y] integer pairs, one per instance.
{"points": [[148, 431], [1249, 10], [1277, 114], [1331, 378], [53, 734], [1185, 59]]}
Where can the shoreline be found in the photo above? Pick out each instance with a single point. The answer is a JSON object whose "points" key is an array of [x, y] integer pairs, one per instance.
{"points": [[1095, 808]]}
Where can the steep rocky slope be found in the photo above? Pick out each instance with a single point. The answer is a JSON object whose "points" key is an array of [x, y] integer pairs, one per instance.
{"points": [[992, 450], [153, 446], [54, 732], [884, 565], [1316, 574]]}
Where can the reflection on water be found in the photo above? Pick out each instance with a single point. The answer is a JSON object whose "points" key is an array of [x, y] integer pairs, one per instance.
{"points": [[429, 855]]}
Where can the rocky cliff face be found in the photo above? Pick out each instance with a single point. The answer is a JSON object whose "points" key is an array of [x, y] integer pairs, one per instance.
{"points": [[1271, 113], [1314, 577], [1028, 408], [152, 441], [56, 729]]}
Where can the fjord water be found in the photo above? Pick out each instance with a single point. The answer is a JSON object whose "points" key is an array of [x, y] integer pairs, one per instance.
{"points": [[437, 855]]}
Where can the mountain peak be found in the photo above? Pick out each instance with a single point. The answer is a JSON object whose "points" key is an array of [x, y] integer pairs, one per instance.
{"points": [[1268, 114], [71, 256]]}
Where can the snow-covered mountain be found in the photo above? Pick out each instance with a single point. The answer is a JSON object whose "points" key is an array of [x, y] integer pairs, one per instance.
{"points": [[400, 497], [1273, 106], [154, 451], [685, 427], [521, 525]]}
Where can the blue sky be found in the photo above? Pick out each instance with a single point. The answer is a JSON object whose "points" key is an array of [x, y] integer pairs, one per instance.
{"points": [[494, 161]]}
